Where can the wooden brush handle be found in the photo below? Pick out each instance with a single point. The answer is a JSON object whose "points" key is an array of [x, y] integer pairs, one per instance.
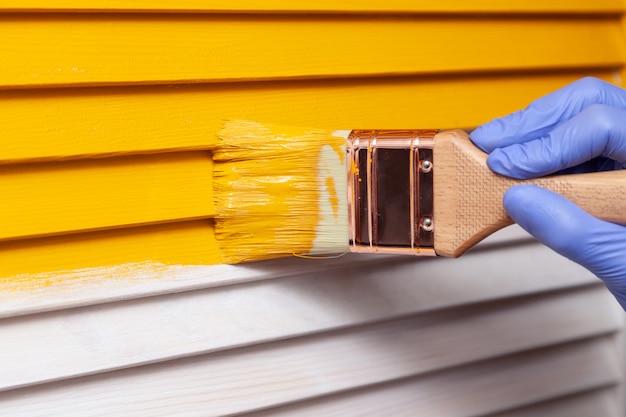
{"points": [[468, 195]]}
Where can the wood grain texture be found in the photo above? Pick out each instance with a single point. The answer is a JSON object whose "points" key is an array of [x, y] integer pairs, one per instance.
{"points": [[468, 195], [247, 6], [83, 49], [478, 389], [327, 303], [278, 373], [98, 339], [599, 402]]}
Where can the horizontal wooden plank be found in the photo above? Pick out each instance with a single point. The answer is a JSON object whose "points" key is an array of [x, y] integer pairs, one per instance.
{"points": [[65, 123], [59, 197], [239, 381], [121, 255], [448, 6], [477, 389], [100, 267], [68, 343], [603, 402], [78, 49]]}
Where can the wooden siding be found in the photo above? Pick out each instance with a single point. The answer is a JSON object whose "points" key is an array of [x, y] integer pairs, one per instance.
{"points": [[112, 298]]}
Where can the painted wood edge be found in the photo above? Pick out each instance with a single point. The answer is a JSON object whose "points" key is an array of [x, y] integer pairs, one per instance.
{"points": [[110, 284], [56, 290], [95, 286]]}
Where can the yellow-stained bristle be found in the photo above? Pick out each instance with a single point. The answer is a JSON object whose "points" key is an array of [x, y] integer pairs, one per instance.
{"points": [[279, 191]]}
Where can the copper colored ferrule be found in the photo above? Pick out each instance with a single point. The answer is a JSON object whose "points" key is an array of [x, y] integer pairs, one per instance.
{"points": [[390, 191]]}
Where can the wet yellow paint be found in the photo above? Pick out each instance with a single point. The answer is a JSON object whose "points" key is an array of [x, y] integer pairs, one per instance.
{"points": [[334, 198], [267, 191]]}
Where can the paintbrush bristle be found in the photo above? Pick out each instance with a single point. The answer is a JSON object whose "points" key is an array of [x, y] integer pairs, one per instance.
{"points": [[279, 191]]}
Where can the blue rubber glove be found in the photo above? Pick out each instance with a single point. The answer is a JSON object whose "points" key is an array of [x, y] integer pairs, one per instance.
{"points": [[579, 128]]}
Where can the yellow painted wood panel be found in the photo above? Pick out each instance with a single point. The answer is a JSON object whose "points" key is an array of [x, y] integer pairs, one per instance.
{"points": [[25, 264], [62, 49], [361, 71], [55, 197], [58, 197], [61, 123], [455, 6]]}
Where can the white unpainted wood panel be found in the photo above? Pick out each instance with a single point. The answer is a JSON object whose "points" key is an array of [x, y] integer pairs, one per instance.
{"points": [[256, 378], [192, 387], [421, 343], [601, 403], [63, 344], [476, 389], [299, 329], [529, 268]]}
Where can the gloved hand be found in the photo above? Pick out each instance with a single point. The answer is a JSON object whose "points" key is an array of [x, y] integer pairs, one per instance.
{"points": [[579, 128]]}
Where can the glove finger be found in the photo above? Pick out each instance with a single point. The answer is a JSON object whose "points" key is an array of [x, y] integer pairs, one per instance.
{"points": [[543, 114], [561, 225], [598, 131]]}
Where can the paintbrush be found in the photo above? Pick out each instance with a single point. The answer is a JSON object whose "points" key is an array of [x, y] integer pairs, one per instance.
{"points": [[293, 191]]}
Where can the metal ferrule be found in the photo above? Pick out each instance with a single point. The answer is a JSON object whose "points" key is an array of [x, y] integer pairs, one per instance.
{"points": [[390, 191]]}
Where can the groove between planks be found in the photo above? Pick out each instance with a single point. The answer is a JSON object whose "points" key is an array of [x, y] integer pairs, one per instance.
{"points": [[398, 6]]}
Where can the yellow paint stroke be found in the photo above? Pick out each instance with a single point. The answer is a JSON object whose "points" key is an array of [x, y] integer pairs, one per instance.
{"points": [[334, 198], [266, 182]]}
